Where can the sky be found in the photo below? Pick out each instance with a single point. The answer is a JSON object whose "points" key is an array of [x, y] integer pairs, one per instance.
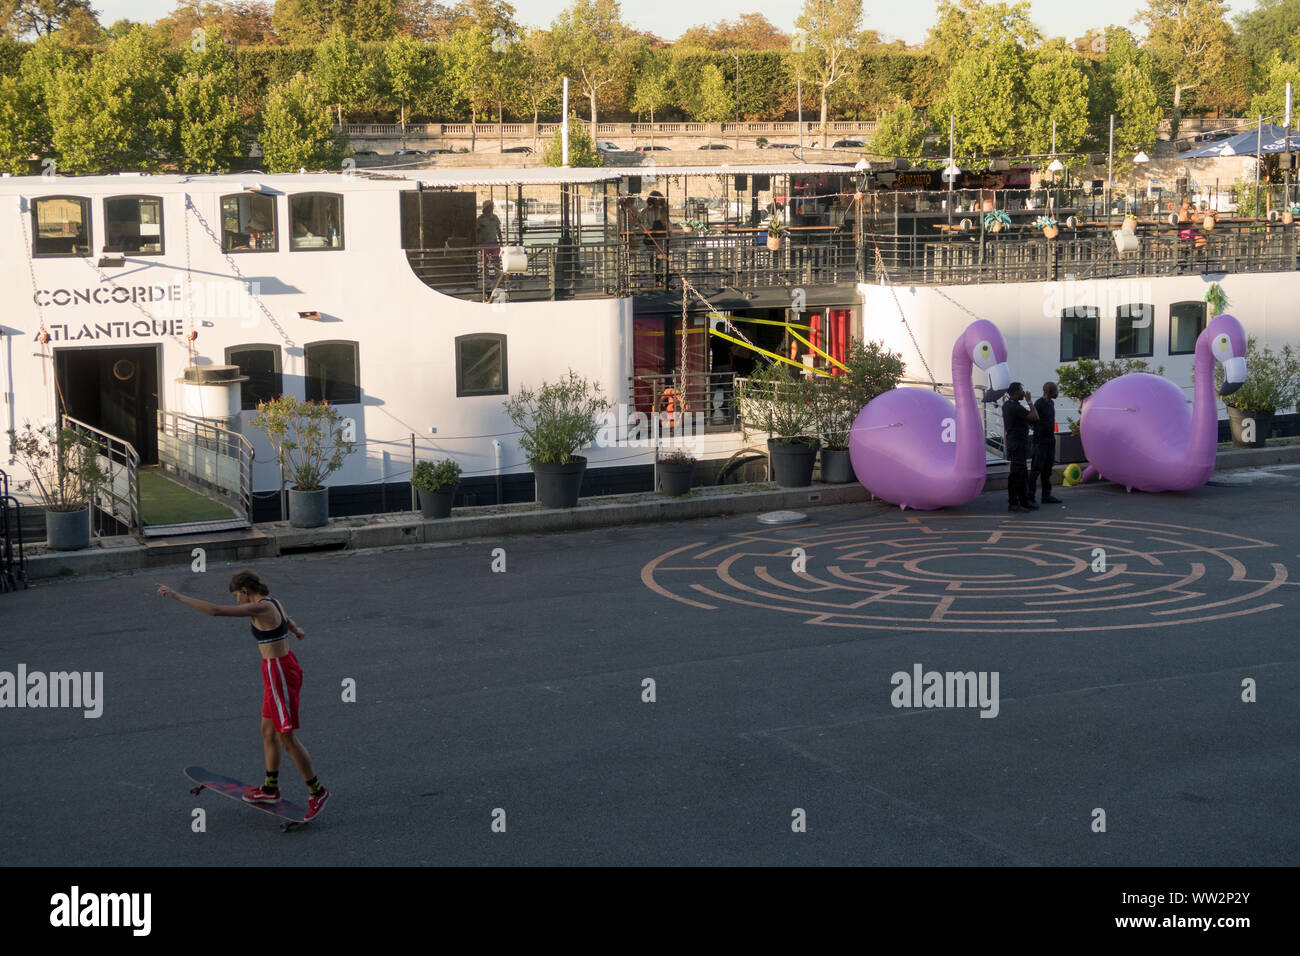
{"points": [[906, 21]]}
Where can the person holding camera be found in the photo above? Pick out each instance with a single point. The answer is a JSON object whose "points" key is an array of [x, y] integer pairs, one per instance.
{"points": [[1016, 419]]}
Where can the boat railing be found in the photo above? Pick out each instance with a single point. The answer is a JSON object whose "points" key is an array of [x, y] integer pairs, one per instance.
{"points": [[118, 496], [208, 455], [699, 402]]}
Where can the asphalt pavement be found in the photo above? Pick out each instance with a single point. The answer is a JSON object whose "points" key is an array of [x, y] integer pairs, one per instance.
{"points": [[503, 717]]}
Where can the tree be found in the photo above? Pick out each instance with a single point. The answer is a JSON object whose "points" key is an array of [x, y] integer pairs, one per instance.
{"points": [[24, 18], [19, 134], [308, 22], [408, 72], [471, 63], [968, 24], [1269, 28], [1056, 89], [204, 108], [654, 86], [538, 84], [340, 71], [1136, 108], [713, 99], [986, 98], [114, 116], [825, 44], [45, 62], [82, 28], [582, 148], [593, 45], [749, 31], [243, 22], [900, 131], [1190, 41], [1270, 102], [296, 129]]}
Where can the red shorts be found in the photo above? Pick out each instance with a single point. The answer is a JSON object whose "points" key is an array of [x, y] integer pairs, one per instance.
{"points": [[281, 682]]}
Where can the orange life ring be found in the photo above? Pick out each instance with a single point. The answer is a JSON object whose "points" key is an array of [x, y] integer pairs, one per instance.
{"points": [[669, 402]]}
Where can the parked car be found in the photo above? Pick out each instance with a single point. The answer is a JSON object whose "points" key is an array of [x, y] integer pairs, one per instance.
{"points": [[440, 149], [517, 149], [715, 146], [848, 144], [409, 152], [1212, 136], [364, 152], [647, 149], [782, 146], [605, 146]]}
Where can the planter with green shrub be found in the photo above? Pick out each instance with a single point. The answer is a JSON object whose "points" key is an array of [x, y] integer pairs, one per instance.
{"points": [[870, 370], [1272, 383], [556, 420], [437, 485], [770, 400], [1077, 381], [676, 472], [309, 445], [63, 465]]}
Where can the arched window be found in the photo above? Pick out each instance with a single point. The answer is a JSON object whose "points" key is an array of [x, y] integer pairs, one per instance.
{"points": [[481, 365], [60, 226], [248, 223], [133, 225], [333, 372], [315, 221], [1186, 323], [1133, 330], [261, 363], [1079, 336]]}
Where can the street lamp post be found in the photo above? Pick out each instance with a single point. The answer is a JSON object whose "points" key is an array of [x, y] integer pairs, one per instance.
{"points": [[1141, 159]]}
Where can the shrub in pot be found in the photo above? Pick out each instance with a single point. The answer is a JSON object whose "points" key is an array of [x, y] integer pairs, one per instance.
{"points": [[1077, 381], [771, 400], [437, 486], [870, 369], [309, 445], [775, 230], [676, 471], [1272, 382], [64, 468], [555, 421]]}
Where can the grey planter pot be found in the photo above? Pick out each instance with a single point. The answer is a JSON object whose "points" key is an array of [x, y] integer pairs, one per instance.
{"points": [[309, 509], [837, 466], [792, 461], [67, 530], [1263, 427], [437, 504], [675, 480], [1069, 448], [558, 485]]}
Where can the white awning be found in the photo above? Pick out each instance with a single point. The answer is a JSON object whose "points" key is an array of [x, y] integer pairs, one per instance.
{"points": [[768, 169], [533, 176]]}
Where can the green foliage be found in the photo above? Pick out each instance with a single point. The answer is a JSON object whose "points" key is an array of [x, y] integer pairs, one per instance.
{"points": [[1081, 378], [204, 109], [307, 438], [770, 400], [1268, 29], [596, 48], [1216, 299], [901, 131], [19, 137], [296, 129], [1056, 88], [309, 21], [1270, 102], [557, 419], [344, 75], [407, 70], [582, 149], [677, 456], [1272, 379], [871, 370], [63, 465], [430, 477], [713, 100]]}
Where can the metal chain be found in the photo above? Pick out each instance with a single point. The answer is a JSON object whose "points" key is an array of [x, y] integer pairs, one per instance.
{"points": [[189, 205]]}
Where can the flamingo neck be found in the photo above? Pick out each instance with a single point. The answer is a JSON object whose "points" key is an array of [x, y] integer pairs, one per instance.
{"points": [[970, 427], [1204, 439]]}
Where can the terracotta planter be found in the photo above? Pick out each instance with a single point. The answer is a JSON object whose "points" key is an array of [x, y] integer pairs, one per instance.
{"points": [[1051, 232], [996, 227]]}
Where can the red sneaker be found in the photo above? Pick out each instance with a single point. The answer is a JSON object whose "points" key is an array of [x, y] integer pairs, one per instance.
{"points": [[260, 795], [315, 802]]}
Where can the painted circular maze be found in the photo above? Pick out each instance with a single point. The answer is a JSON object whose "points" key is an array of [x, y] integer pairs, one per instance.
{"points": [[980, 574]]}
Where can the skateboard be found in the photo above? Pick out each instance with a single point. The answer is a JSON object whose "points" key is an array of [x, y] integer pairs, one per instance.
{"points": [[291, 815]]}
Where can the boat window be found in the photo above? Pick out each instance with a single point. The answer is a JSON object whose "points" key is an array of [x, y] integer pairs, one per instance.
{"points": [[1079, 333], [333, 373], [133, 225], [261, 363], [60, 226], [248, 223], [315, 221], [1133, 332], [1186, 323], [481, 365]]}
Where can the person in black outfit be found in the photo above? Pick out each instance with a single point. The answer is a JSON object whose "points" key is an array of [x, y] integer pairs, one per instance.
{"points": [[1044, 444], [1016, 419]]}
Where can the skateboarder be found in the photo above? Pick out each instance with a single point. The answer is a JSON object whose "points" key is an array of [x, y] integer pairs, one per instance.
{"points": [[281, 681]]}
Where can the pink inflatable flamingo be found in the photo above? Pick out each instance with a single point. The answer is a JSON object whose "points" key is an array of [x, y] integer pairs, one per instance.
{"points": [[1139, 431], [910, 448]]}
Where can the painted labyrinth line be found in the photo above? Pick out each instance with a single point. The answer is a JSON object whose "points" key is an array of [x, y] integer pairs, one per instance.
{"points": [[979, 573]]}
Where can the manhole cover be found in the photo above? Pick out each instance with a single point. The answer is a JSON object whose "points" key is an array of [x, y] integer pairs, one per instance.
{"points": [[782, 517]]}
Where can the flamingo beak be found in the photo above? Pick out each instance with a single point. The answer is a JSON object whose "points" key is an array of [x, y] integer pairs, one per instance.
{"points": [[1234, 375], [999, 379]]}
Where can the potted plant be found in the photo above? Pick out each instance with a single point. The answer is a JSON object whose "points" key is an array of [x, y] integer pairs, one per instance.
{"points": [[1289, 213], [1130, 224], [1077, 381], [1208, 221], [784, 407], [775, 230], [676, 472], [996, 220], [437, 486], [556, 420], [870, 370], [1272, 382], [65, 473], [1048, 225], [1216, 300], [309, 444]]}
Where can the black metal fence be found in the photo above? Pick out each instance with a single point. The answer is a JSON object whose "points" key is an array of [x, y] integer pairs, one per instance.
{"points": [[13, 561]]}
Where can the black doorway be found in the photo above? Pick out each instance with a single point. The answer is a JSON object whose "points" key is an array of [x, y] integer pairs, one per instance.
{"points": [[114, 389]]}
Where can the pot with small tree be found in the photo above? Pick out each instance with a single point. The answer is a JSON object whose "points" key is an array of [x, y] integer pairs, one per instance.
{"points": [[1077, 381], [63, 465], [676, 472], [310, 445], [784, 407], [555, 421], [1272, 382], [437, 486], [870, 369]]}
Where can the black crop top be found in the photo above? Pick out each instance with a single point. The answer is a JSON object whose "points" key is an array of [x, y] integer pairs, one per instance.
{"points": [[277, 632]]}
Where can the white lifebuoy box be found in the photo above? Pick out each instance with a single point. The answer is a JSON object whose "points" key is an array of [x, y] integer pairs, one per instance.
{"points": [[514, 259], [212, 392]]}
